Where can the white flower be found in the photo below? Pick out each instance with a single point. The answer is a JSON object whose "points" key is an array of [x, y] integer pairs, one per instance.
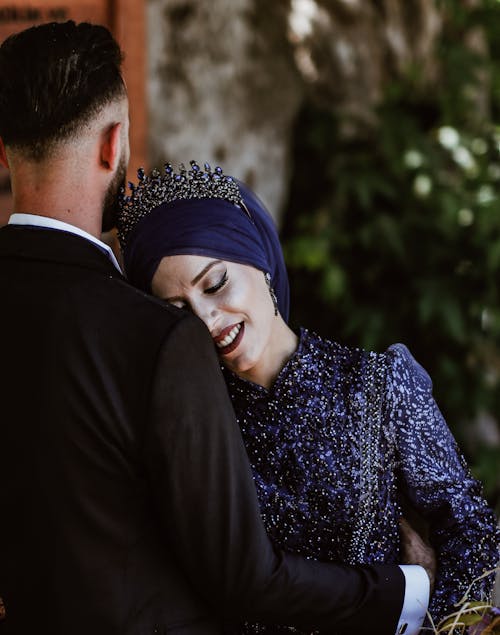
{"points": [[486, 319], [448, 137], [465, 217], [494, 171], [422, 185], [464, 159], [485, 195], [413, 159], [479, 146]]}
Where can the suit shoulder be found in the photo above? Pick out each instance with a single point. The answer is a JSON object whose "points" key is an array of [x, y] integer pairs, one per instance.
{"points": [[118, 310], [180, 320]]}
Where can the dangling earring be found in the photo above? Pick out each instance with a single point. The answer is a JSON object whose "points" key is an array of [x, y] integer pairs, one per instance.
{"points": [[267, 276]]}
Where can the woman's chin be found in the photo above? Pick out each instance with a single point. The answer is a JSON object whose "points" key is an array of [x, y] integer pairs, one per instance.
{"points": [[236, 364]]}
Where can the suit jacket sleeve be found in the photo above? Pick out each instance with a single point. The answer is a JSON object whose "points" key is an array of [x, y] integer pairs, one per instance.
{"points": [[205, 494]]}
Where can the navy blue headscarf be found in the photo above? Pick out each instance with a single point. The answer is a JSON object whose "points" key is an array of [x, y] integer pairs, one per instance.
{"points": [[208, 227]]}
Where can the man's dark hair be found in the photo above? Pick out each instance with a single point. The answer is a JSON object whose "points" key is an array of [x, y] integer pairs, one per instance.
{"points": [[53, 79]]}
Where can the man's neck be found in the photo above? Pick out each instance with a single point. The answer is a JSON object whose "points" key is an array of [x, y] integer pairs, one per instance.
{"points": [[82, 221], [57, 189]]}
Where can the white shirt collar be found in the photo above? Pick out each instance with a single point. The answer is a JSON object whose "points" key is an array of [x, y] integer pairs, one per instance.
{"points": [[52, 223]]}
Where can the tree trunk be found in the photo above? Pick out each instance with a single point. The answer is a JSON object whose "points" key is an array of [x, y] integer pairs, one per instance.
{"points": [[223, 88]]}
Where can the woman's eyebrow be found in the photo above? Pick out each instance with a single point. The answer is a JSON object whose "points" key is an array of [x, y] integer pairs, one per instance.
{"points": [[200, 275]]}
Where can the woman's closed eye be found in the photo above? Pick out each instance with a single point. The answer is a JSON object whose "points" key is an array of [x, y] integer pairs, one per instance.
{"points": [[219, 285]]}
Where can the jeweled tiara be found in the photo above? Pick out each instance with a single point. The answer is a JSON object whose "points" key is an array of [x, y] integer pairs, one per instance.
{"points": [[157, 188]]}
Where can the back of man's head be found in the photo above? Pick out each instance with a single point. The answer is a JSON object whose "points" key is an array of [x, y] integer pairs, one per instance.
{"points": [[54, 78]]}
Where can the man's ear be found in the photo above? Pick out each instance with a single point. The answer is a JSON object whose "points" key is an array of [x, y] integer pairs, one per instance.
{"points": [[3, 155], [111, 147]]}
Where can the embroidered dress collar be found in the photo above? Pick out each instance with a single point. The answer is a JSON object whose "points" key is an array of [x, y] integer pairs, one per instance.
{"points": [[298, 362]]}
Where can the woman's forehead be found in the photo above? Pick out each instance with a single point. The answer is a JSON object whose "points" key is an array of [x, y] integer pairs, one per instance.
{"points": [[184, 266]]}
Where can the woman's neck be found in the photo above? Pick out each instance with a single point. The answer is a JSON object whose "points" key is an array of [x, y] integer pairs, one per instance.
{"points": [[283, 344]]}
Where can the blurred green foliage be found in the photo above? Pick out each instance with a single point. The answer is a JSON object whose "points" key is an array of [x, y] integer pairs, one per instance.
{"points": [[395, 235]]}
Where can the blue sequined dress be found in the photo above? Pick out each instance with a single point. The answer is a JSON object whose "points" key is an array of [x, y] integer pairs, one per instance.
{"points": [[336, 442]]}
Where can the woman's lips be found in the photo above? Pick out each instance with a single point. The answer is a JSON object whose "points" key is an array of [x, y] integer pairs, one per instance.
{"points": [[229, 338]]}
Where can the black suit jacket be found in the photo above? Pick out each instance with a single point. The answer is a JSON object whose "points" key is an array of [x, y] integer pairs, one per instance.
{"points": [[126, 500]]}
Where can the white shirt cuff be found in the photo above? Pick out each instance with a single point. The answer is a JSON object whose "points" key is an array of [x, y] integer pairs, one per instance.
{"points": [[416, 600]]}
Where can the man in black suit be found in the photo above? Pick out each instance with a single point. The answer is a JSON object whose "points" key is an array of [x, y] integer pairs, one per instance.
{"points": [[127, 502]]}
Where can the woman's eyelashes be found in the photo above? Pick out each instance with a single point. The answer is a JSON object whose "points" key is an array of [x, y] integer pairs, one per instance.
{"points": [[183, 303], [219, 285]]}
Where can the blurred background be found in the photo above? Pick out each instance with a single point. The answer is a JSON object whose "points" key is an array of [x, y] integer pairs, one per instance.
{"points": [[371, 129]]}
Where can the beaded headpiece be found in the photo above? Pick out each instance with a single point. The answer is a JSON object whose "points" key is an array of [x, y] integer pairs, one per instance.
{"points": [[198, 212], [156, 189]]}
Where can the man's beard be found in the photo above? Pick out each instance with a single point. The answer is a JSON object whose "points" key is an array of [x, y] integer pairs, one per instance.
{"points": [[110, 203]]}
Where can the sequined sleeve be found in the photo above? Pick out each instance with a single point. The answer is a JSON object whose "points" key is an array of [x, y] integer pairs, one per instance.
{"points": [[463, 529]]}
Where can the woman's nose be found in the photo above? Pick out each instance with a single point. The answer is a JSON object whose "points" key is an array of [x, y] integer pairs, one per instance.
{"points": [[208, 313]]}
